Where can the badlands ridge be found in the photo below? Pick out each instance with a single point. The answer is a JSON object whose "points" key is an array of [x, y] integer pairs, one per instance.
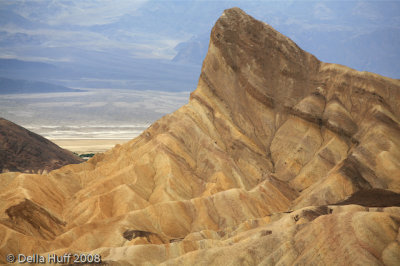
{"points": [[24, 151], [278, 158]]}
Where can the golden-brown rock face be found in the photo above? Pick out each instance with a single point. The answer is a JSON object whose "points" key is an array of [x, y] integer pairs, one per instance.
{"points": [[257, 168]]}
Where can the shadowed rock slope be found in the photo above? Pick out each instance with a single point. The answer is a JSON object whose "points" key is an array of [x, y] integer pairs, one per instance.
{"points": [[24, 151], [258, 168]]}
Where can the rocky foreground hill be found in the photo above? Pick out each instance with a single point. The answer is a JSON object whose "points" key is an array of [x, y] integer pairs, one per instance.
{"points": [[24, 151], [278, 158]]}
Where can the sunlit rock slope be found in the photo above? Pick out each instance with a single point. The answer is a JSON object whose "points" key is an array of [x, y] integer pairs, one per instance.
{"points": [[278, 158]]}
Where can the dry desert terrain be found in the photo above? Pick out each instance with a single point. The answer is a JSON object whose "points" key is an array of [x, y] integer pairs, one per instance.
{"points": [[82, 146]]}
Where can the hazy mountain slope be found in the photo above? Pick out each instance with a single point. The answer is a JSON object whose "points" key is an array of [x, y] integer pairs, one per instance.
{"points": [[24, 151], [232, 177], [10, 86], [103, 70], [192, 51]]}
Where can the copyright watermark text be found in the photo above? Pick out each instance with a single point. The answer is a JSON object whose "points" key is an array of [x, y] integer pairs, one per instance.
{"points": [[53, 258]]}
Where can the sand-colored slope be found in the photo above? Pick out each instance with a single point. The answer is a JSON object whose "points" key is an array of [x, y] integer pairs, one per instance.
{"points": [[268, 130]]}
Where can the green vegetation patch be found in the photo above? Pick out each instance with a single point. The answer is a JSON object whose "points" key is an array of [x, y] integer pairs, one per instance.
{"points": [[86, 155]]}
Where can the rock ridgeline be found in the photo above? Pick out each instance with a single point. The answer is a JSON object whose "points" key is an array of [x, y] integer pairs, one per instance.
{"points": [[24, 151], [276, 159]]}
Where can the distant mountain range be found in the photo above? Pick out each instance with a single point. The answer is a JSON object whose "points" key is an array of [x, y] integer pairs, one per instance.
{"points": [[11, 86], [160, 45], [192, 51], [105, 71]]}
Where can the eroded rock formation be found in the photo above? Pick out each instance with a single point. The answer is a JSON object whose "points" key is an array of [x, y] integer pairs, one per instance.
{"points": [[258, 168], [24, 151]]}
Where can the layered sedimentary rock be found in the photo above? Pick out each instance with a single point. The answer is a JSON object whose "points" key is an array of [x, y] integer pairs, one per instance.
{"points": [[24, 151], [277, 158]]}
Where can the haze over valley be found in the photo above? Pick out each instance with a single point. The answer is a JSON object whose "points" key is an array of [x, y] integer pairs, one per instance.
{"points": [[131, 50], [93, 120]]}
